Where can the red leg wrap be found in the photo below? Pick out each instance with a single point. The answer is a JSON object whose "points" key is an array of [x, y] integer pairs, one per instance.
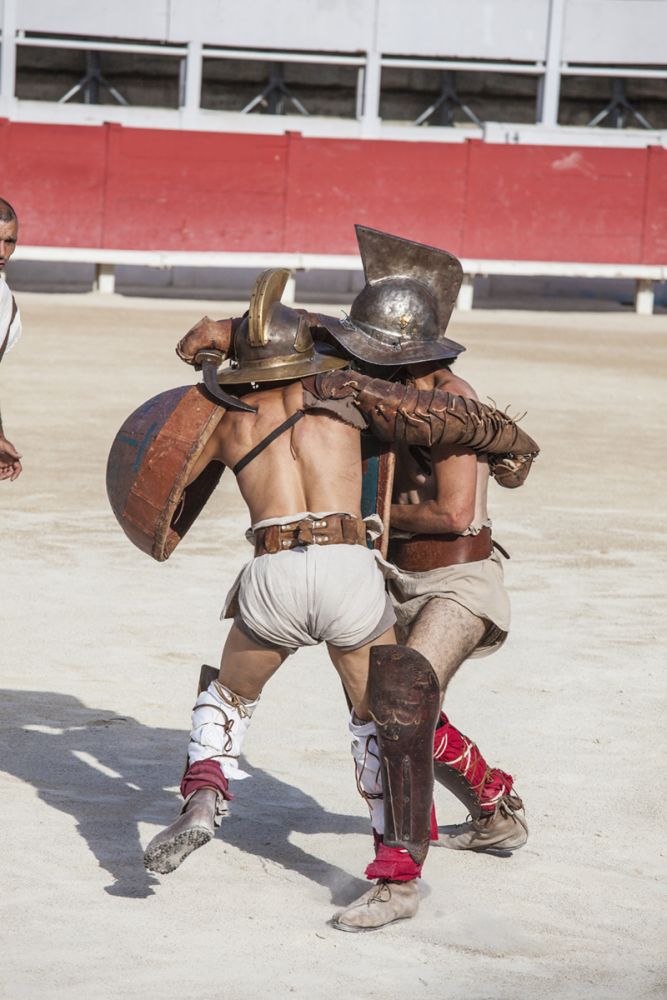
{"points": [[498, 784], [205, 774], [392, 863], [450, 746]]}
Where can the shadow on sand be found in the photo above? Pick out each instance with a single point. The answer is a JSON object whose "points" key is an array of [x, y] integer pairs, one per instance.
{"points": [[111, 773]]}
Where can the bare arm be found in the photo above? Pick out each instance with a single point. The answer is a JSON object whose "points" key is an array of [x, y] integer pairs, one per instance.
{"points": [[10, 460], [453, 507]]}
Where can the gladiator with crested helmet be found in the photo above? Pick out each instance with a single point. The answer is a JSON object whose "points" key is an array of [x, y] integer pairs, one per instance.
{"points": [[278, 377]]}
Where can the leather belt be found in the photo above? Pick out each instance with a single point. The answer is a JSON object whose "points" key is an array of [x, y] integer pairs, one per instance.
{"points": [[334, 529], [423, 552]]}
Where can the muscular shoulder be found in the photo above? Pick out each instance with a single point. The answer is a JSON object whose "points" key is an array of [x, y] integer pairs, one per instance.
{"points": [[447, 381]]}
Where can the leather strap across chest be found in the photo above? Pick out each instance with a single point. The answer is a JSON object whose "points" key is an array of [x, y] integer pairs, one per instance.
{"points": [[265, 442]]}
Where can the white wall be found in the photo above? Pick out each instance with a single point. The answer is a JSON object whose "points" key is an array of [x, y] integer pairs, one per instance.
{"points": [[482, 29], [607, 31], [323, 25], [615, 31], [123, 18]]}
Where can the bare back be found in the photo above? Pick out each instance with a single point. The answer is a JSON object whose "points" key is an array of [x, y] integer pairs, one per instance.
{"points": [[313, 466]]}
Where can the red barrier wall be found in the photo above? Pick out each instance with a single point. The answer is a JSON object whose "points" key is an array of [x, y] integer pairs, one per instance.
{"points": [[555, 203], [654, 246], [115, 187], [194, 191], [414, 189], [54, 176]]}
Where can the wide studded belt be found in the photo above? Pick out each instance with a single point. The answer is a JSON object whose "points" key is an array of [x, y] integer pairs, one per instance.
{"points": [[424, 552], [334, 529]]}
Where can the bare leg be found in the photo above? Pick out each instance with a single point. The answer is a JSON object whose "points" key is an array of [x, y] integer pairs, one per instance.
{"points": [[245, 666], [352, 666], [446, 634]]}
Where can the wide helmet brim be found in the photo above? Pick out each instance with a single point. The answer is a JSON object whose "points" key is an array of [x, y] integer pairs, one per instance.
{"points": [[265, 371], [362, 346]]}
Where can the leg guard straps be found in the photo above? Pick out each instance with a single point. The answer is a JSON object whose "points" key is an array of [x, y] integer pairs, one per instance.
{"points": [[205, 774], [394, 864], [367, 769], [220, 721], [460, 767]]}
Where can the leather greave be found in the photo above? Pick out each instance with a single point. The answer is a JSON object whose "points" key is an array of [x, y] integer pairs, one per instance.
{"points": [[404, 703]]}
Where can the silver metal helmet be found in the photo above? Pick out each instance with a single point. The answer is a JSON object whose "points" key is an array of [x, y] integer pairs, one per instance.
{"points": [[401, 314], [274, 342]]}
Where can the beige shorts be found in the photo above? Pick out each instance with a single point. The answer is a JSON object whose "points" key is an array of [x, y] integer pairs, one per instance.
{"points": [[477, 586], [311, 594]]}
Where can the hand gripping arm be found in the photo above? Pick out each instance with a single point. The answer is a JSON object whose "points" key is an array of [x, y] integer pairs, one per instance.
{"points": [[396, 412]]}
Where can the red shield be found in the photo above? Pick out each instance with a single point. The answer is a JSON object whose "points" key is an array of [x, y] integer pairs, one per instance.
{"points": [[150, 462]]}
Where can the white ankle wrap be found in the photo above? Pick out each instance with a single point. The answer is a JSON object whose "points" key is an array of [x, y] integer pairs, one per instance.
{"points": [[220, 720], [367, 765]]}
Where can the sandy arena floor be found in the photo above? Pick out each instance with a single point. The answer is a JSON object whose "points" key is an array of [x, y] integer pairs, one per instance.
{"points": [[101, 649]]}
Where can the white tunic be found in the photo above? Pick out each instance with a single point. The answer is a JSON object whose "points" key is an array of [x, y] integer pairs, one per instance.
{"points": [[10, 329]]}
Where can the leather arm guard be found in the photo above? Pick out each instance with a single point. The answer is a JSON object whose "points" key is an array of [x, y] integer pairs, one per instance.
{"points": [[405, 704], [207, 335], [397, 412]]}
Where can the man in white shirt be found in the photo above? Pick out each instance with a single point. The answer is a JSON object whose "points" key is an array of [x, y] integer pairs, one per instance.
{"points": [[10, 328]]}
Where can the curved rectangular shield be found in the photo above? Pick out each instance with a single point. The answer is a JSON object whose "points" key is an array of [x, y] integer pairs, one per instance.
{"points": [[150, 461]]}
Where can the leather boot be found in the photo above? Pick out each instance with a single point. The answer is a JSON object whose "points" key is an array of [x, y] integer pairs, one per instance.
{"points": [[381, 905], [504, 829], [192, 829]]}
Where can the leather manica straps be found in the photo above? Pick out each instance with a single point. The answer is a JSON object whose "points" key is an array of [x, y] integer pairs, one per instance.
{"points": [[397, 412]]}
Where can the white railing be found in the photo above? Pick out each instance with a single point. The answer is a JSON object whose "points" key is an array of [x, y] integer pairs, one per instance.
{"points": [[645, 276]]}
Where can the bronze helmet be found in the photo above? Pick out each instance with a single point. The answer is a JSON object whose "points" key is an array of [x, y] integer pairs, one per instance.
{"points": [[401, 314], [274, 342]]}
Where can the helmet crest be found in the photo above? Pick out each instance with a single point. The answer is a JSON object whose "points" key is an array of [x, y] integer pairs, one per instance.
{"points": [[274, 342]]}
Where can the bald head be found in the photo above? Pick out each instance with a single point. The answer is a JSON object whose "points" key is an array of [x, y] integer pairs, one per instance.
{"points": [[7, 213], [9, 229]]}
